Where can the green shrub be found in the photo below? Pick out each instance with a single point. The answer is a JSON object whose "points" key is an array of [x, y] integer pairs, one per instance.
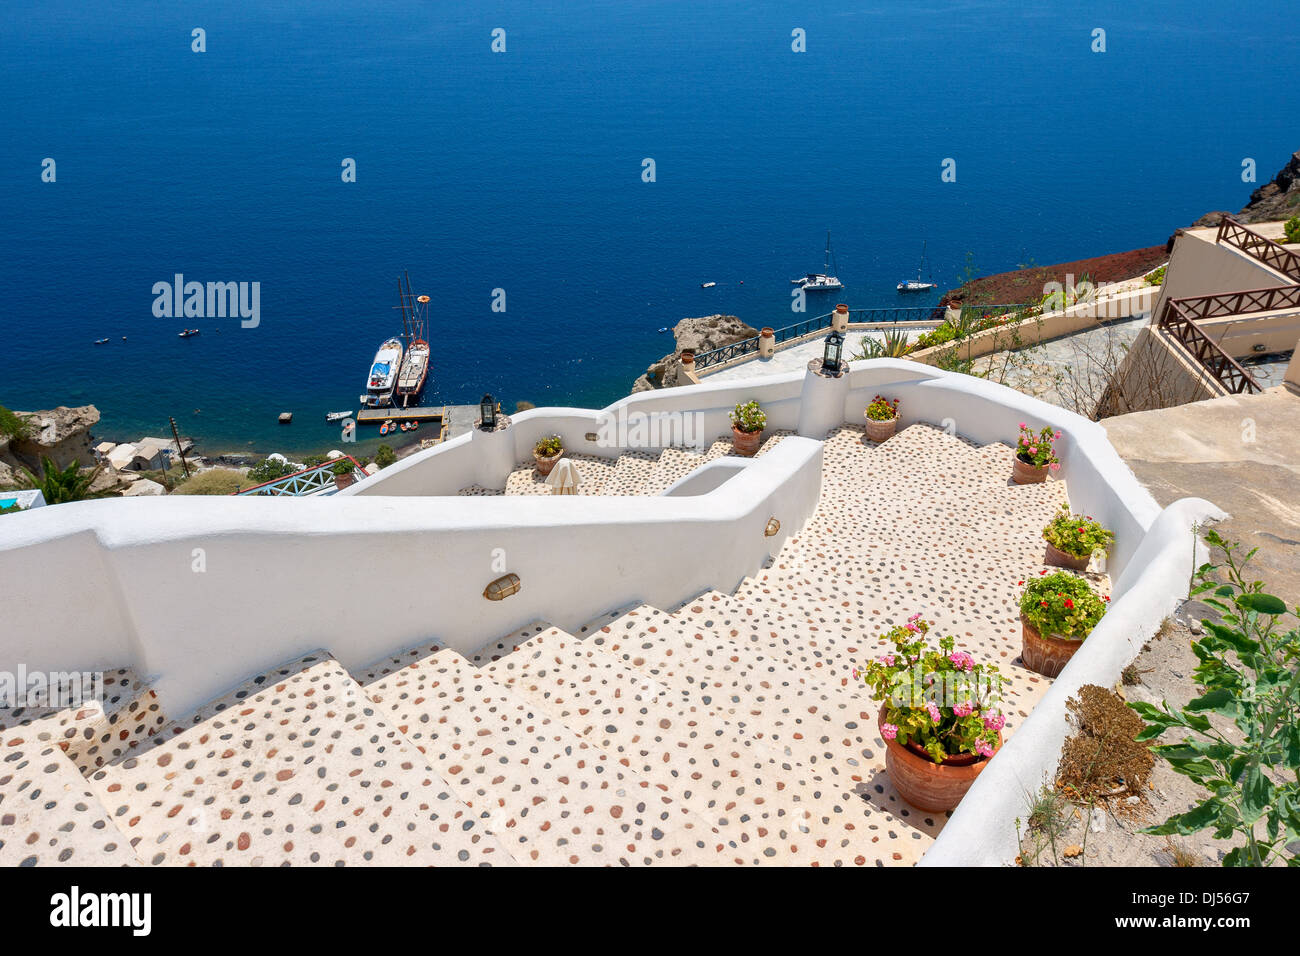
{"points": [[1248, 670], [214, 481], [1157, 276], [385, 456], [13, 426], [1292, 229], [269, 470]]}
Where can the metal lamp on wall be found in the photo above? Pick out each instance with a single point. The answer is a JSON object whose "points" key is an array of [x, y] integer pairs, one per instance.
{"points": [[488, 412], [831, 356]]}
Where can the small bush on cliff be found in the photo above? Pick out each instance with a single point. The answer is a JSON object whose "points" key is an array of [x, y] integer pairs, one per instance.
{"points": [[385, 456], [214, 481], [1292, 228], [269, 470], [13, 426]]}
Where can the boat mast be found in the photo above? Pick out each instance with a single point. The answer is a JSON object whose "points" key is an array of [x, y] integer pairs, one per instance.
{"points": [[406, 332], [921, 267]]}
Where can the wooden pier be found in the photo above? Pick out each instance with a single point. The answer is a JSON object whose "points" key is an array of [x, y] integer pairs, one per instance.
{"points": [[422, 414]]}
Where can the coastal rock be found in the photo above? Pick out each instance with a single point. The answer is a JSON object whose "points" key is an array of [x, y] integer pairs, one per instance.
{"points": [[1277, 199], [61, 434], [701, 334]]}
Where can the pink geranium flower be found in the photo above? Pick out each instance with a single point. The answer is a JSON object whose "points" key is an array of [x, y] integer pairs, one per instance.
{"points": [[996, 722], [963, 709], [889, 731], [983, 749]]}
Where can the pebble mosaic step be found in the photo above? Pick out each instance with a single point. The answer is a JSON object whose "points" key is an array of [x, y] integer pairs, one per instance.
{"points": [[49, 814], [714, 764], [828, 731], [294, 767], [95, 732], [630, 474], [550, 796]]}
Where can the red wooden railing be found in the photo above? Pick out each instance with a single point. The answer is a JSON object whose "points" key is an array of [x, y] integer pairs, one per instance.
{"points": [[1257, 247]]}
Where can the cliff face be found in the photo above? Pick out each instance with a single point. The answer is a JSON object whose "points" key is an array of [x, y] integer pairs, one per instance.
{"points": [[701, 334], [61, 434], [1278, 199]]}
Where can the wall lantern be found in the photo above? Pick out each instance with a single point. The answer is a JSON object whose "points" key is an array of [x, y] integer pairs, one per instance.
{"points": [[831, 357], [773, 526], [488, 411], [502, 587]]}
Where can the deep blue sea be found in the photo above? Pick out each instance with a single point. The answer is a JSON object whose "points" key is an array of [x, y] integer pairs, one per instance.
{"points": [[522, 171]]}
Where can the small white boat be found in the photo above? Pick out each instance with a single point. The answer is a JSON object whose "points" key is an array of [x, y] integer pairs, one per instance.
{"points": [[707, 285], [917, 285], [337, 416]]}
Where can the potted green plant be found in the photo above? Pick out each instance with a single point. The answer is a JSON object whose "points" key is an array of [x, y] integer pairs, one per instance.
{"points": [[747, 424], [1057, 613], [1073, 539], [344, 473], [938, 715], [1035, 455], [547, 452], [882, 418]]}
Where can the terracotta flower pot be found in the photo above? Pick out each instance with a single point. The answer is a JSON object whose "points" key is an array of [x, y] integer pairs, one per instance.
{"points": [[1023, 473], [880, 431], [342, 481], [544, 465], [926, 785], [1064, 559], [745, 443], [1046, 655]]}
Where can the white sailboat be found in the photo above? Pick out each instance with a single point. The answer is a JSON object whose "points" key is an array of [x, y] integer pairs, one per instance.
{"points": [[917, 285], [822, 281]]}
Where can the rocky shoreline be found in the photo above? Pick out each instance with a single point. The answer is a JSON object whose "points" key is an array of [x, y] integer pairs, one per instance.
{"points": [[699, 334]]}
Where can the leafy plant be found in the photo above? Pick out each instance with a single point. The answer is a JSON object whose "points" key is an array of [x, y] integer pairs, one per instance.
{"points": [[1292, 229], [893, 343], [270, 470], [1038, 450], [1078, 535], [1248, 671], [548, 447], [1062, 604], [60, 486], [13, 426], [385, 456], [1156, 276], [748, 417], [343, 466], [939, 700]]}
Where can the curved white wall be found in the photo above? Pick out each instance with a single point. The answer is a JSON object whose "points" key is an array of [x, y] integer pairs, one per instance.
{"points": [[199, 593]]}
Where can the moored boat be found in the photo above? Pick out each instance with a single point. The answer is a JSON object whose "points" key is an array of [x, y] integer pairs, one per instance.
{"points": [[822, 281], [383, 374], [414, 370], [917, 284]]}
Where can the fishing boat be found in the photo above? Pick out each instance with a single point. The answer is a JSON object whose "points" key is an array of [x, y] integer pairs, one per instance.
{"points": [[337, 416], [101, 341], [414, 370], [822, 281], [917, 285], [707, 285], [383, 374], [186, 333]]}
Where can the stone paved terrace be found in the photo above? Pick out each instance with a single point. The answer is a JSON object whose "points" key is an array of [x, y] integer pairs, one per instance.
{"points": [[728, 731]]}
